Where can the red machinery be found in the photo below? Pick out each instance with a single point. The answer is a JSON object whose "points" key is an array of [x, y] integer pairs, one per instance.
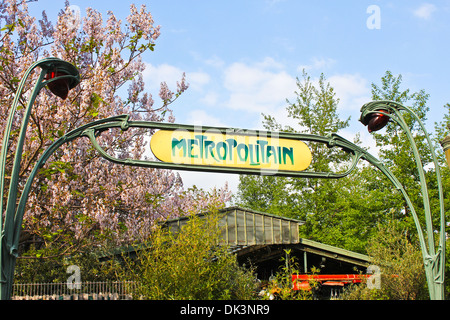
{"points": [[302, 281]]}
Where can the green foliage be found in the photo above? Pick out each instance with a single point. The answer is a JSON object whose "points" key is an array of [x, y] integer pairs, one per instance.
{"points": [[400, 260], [344, 212], [33, 269], [280, 287], [330, 208], [268, 194], [188, 265]]}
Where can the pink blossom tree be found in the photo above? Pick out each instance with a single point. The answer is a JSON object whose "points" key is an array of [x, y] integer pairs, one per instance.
{"points": [[78, 198]]}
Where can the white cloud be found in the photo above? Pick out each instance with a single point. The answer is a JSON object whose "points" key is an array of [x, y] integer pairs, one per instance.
{"points": [[425, 11], [317, 64], [273, 2], [209, 180], [352, 90], [269, 64], [197, 80], [201, 117], [154, 75], [264, 86], [210, 99], [257, 88], [282, 117], [215, 61]]}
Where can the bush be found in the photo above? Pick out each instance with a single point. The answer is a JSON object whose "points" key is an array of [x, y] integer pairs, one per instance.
{"points": [[402, 272], [188, 265], [280, 287]]}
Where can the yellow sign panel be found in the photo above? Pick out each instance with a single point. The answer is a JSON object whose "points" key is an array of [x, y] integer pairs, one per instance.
{"points": [[214, 148]]}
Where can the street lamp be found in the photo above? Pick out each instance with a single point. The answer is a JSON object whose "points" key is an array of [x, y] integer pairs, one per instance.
{"points": [[375, 115], [59, 76]]}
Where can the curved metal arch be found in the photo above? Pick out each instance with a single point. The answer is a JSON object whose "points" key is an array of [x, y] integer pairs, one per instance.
{"points": [[94, 129], [434, 259], [331, 141]]}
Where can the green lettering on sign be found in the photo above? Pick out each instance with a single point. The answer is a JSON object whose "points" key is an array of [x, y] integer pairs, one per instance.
{"points": [[237, 150]]}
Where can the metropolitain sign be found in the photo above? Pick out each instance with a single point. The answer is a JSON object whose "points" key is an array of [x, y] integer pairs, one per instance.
{"points": [[240, 150], [223, 150]]}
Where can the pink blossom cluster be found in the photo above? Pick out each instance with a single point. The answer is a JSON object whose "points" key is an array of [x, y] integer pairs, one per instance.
{"points": [[77, 193]]}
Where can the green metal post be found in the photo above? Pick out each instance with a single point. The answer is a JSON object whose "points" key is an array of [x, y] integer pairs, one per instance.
{"points": [[8, 252], [434, 258]]}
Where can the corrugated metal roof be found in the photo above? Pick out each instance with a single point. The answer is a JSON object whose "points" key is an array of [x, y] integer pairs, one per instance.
{"points": [[334, 252], [247, 231], [245, 227]]}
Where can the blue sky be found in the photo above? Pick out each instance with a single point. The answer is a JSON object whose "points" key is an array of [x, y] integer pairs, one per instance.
{"points": [[242, 57]]}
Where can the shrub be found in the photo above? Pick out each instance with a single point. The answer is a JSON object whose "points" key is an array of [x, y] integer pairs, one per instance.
{"points": [[400, 261], [189, 264]]}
